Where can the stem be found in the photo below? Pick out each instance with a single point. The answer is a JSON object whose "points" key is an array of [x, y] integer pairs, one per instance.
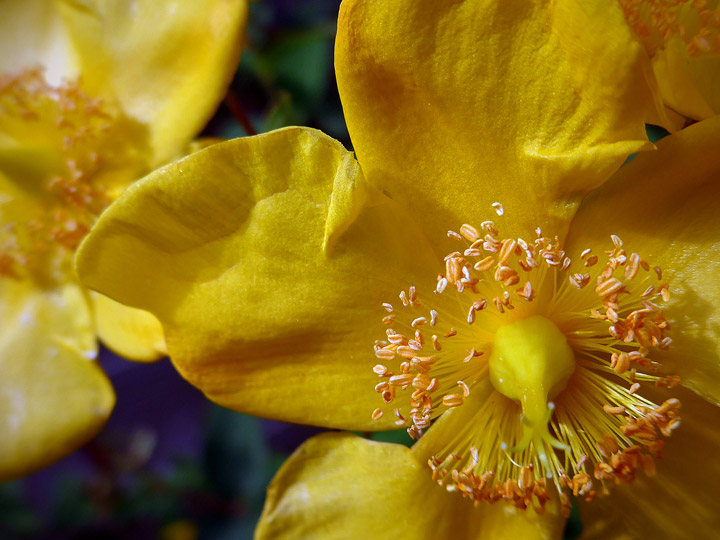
{"points": [[236, 108]]}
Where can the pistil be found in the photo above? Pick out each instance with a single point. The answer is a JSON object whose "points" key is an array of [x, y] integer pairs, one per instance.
{"points": [[531, 362]]}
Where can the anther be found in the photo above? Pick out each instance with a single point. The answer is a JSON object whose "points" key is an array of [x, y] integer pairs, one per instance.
{"points": [[469, 232], [591, 261], [485, 264], [452, 400]]}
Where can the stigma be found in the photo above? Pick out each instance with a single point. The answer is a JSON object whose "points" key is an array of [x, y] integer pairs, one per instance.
{"points": [[545, 355]]}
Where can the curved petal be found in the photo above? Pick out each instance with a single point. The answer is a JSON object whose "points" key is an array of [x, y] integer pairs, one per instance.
{"points": [[267, 260], [339, 486], [167, 62], [53, 396], [132, 333], [664, 206], [680, 501], [452, 106], [688, 84], [32, 35]]}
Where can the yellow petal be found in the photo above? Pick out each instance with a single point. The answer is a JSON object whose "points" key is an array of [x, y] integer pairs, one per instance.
{"points": [[132, 333], [339, 486], [688, 84], [166, 62], [681, 500], [267, 260], [454, 106], [53, 395], [664, 206], [32, 34]]}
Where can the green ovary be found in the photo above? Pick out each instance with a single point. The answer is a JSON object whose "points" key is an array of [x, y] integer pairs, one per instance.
{"points": [[531, 363]]}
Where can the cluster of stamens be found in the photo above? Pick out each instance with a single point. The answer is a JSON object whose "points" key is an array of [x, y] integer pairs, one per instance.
{"points": [[80, 138], [657, 21], [416, 368], [599, 429]]}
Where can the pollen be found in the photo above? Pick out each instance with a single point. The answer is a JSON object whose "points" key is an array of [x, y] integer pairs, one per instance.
{"points": [[64, 156], [695, 22], [542, 356]]}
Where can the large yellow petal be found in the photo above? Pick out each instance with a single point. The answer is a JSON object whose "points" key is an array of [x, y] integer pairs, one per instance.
{"points": [[452, 106], [664, 206], [53, 395], [132, 333], [32, 35], [339, 486], [680, 501], [267, 260], [167, 62]]}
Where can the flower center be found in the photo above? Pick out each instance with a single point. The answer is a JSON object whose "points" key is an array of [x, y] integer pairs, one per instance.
{"points": [[695, 22], [64, 156], [537, 365]]}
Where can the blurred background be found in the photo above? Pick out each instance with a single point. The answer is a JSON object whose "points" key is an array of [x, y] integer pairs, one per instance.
{"points": [[169, 464]]}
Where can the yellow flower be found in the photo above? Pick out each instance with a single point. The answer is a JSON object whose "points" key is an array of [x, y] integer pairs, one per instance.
{"points": [[682, 40], [93, 95], [275, 263]]}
